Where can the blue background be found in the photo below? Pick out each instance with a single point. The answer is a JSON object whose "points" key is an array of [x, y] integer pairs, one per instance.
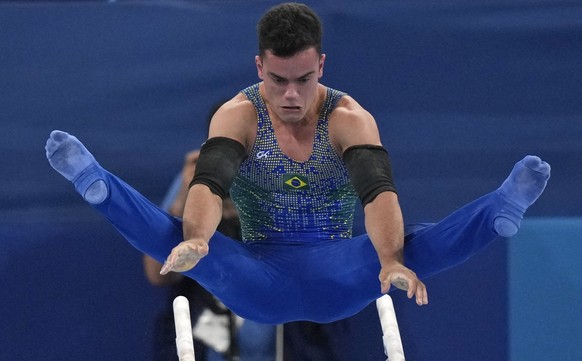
{"points": [[461, 91]]}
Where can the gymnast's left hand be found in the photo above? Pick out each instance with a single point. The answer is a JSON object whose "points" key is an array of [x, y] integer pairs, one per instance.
{"points": [[399, 276], [185, 256]]}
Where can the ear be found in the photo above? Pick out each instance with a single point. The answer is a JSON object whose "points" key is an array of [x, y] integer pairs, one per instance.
{"points": [[321, 62], [259, 64]]}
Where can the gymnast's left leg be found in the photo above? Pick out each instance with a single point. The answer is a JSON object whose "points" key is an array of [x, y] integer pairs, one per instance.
{"points": [[431, 249], [428, 248]]}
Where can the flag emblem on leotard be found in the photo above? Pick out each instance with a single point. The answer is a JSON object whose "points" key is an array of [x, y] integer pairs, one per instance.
{"points": [[295, 181]]}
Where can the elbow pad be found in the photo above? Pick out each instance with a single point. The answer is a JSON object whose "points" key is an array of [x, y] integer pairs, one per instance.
{"points": [[218, 164], [370, 171]]}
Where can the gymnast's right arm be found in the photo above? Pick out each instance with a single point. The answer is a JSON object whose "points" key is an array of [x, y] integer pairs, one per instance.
{"points": [[217, 167]]}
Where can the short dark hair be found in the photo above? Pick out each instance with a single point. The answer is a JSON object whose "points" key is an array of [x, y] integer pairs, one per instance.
{"points": [[289, 28]]}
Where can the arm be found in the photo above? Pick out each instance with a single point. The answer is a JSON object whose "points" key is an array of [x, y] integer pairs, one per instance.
{"points": [[385, 228], [173, 202], [229, 138], [351, 125], [177, 206]]}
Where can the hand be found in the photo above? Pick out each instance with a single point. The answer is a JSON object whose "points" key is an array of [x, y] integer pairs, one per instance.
{"points": [[185, 256], [403, 278]]}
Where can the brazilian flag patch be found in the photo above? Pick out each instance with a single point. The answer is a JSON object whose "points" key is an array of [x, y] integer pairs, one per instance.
{"points": [[295, 181]]}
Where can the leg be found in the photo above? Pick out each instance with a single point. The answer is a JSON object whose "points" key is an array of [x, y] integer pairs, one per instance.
{"points": [[428, 249], [143, 224], [229, 271], [434, 248]]}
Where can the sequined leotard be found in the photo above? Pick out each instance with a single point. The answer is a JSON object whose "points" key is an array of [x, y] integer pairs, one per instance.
{"points": [[280, 199]]}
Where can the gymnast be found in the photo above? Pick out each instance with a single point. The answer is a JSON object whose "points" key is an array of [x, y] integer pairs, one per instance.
{"points": [[295, 155]]}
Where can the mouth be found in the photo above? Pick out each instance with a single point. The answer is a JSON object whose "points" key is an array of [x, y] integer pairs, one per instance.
{"points": [[291, 108]]}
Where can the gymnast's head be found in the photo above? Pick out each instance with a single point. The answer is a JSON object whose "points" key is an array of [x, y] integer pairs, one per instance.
{"points": [[288, 29], [290, 62]]}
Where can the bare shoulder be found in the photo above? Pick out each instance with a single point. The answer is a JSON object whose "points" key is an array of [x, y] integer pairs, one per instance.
{"points": [[350, 124], [236, 119]]}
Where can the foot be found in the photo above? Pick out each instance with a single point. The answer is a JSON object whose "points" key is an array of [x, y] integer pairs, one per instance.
{"points": [[185, 256], [68, 156], [520, 190]]}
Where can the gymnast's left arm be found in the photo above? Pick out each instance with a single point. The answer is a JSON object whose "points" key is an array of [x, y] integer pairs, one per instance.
{"points": [[355, 135], [384, 225]]}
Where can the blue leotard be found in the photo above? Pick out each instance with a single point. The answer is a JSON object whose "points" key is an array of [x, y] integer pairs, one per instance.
{"points": [[283, 200]]}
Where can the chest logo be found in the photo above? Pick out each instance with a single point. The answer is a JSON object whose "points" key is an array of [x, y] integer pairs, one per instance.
{"points": [[295, 181], [263, 154]]}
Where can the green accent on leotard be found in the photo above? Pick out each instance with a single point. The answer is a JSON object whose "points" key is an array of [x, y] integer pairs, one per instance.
{"points": [[280, 199]]}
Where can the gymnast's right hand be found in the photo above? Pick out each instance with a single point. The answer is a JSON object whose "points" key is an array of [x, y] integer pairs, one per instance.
{"points": [[185, 256]]}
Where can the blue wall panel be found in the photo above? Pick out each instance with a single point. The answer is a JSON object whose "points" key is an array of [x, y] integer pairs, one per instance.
{"points": [[545, 290], [461, 91]]}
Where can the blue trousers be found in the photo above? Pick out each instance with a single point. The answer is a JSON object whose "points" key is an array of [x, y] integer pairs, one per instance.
{"points": [[317, 280]]}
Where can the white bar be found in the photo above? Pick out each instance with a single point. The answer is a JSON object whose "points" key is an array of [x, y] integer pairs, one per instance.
{"points": [[391, 334], [184, 339]]}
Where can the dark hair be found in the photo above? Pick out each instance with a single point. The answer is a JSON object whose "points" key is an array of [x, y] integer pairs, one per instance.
{"points": [[289, 28]]}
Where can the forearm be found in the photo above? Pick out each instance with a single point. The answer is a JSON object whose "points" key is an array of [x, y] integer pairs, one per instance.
{"points": [[384, 225], [386, 231], [202, 213], [177, 207]]}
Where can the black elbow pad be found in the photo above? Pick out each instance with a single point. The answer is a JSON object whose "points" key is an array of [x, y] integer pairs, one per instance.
{"points": [[370, 171], [218, 164]]}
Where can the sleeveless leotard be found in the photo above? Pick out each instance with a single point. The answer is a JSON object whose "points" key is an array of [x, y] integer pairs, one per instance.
{"points": [[280, 199]]}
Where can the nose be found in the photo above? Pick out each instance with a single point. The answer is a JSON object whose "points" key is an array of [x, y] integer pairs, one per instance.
{"points": [[291, 91]]}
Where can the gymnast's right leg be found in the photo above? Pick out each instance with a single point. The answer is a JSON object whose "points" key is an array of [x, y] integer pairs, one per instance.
{"points": [[229, 272], [142, 223]]}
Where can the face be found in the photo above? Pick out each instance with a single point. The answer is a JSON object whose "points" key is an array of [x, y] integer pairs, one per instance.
{"points": [[290, 84]]}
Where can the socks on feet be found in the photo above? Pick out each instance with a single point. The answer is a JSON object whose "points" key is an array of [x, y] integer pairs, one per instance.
{"points": [[68, 156], [520, 190]]}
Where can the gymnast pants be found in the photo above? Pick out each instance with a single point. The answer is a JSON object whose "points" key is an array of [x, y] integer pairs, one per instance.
{"points": [[313, 279]]}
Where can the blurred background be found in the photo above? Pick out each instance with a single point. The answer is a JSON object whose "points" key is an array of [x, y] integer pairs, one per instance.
{"points": [[461, 89]]}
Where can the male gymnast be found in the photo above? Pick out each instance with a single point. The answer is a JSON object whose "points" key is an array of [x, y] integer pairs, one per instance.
{"points": [[294, 155]]}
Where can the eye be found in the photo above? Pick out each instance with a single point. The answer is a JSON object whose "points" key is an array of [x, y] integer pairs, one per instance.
{"points": [[278, 79], [303, 80]]}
